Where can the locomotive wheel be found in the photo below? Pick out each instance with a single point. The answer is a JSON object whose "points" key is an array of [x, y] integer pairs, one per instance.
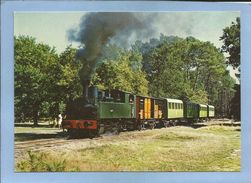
{"points": [[138, 127], [116, 129], [101, 129], [72, 133], [92, 134], [122, 127]]}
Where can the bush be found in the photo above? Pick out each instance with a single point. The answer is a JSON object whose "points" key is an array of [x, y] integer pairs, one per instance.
{"points": [[39, 162]]}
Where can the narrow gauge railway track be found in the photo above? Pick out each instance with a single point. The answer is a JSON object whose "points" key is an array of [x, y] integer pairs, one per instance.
{"points": [[45, 144]]}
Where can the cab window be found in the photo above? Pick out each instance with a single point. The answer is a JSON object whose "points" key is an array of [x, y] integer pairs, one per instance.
{"points": [[131, 98], [118, 96]]}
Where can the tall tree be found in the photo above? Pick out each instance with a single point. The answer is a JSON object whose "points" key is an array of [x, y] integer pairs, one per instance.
{"points": [[231, 43], [188, 69], [69, 85], [231, 40], [36, 68]]}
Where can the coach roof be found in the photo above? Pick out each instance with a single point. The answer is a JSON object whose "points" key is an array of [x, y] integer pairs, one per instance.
{"points": [[174, 100]]}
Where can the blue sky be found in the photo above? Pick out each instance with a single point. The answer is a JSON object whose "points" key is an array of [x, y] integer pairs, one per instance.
{"points": [[52, 28]]}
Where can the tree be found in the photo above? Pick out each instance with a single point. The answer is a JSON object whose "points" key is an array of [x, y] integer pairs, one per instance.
{"points": [[166, 77], [188, 69], [68, 84], [122, 71], [235, 103], [231, 40], [231, 43], [36, 73]]}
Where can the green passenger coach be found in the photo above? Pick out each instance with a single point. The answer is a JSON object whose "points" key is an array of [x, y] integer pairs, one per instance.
{"points": [[191, 111], [211, 111], [174, 109], [202, 111]]}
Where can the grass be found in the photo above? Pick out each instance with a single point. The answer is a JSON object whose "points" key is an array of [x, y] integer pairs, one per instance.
{"points": [[30, 133], [211, 148]]}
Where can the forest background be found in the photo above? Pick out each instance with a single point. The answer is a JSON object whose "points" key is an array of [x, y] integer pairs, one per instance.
{"points": [[168, 66]]}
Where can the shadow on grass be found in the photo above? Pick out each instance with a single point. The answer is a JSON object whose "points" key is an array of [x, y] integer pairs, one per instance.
{"points": [[193, 125], [32, 125], [36, 136], [200, 125]]}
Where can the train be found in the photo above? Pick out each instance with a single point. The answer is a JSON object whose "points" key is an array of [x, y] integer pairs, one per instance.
{"points": [[98, 111]]}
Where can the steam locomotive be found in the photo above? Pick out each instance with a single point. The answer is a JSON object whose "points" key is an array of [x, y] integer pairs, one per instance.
{"points": [[114, 110]]}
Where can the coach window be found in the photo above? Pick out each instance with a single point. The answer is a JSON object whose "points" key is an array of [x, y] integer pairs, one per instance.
{"points": [[169, 105], [131, 98]]}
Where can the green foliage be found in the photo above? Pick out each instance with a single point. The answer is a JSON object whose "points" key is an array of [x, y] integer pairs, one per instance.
{"points": [[122, 72], [199, 96], [172, 67], [69, 78], [188, 69], [231, 40], [37, 162], [68, 84], [44, 81], [36, 73]]}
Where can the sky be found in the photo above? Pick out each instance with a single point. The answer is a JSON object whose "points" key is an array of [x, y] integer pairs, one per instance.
{"points": [[52, 28]]}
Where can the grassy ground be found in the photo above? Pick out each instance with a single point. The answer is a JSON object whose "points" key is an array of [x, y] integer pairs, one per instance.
{"points": [[210, 148], [24, 133]]}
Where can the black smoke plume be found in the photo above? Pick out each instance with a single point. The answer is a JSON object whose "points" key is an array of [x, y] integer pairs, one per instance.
{"points": [[96, 30]]}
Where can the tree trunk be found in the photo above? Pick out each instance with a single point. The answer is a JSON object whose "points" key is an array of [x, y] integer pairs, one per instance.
{"points": [[196, 78], [35, 118]]}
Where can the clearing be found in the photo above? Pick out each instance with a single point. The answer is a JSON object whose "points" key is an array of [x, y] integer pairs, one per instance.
{"points": [[213, 146]]}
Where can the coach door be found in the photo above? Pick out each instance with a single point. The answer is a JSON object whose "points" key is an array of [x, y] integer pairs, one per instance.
{"points": [[140, 107]]}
